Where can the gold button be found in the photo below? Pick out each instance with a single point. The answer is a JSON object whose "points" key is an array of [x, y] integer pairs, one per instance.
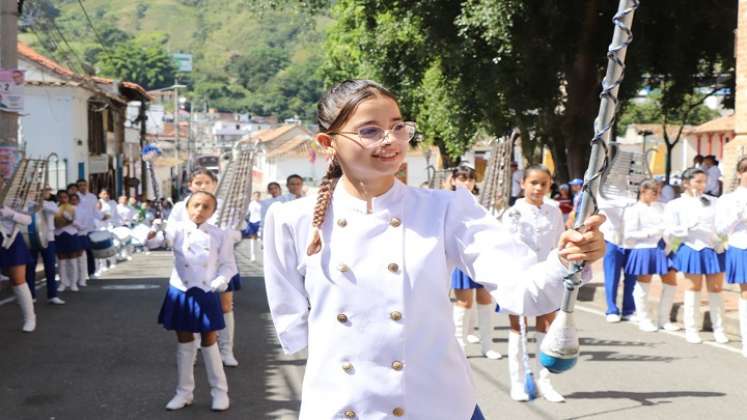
{"points": [[395, 315], [342, 222], [343, 268], [393, 267], [395, 222], [350, 414], [342, 318], [397, 365], [347, 367], [398, 412]]}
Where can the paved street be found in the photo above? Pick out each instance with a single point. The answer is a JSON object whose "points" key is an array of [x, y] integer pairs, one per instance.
{"points": [[103, 356]]}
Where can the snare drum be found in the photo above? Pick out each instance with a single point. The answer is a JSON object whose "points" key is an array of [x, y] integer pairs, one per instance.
{"points": [[123, 235], [102, 244]]}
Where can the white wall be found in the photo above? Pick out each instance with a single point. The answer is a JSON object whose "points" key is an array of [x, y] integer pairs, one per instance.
{"points": [[416, 173]]}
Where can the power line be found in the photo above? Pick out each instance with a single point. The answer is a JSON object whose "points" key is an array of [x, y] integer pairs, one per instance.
{"points": [[93, 28]]}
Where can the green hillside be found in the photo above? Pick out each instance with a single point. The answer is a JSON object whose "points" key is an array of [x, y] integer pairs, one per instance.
{"points": [[260, 61]]}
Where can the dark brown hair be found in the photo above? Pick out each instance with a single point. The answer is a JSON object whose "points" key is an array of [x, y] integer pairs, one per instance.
{"points": [[742, 165], [202, 171], [466, 172], [334, 110]]}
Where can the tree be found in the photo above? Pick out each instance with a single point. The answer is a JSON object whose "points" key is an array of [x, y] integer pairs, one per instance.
{"points": [[145, 63]]}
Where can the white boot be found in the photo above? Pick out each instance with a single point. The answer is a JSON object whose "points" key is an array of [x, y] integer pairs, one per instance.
{"points": [[544, 386], [665, 307], [100, 267], [216, 377], [469, 327], [62, 273], [516, 367], [640, 296], [717, 317], [253, 249], [485, 324], [743, 324], [112, 262], [185, 377], [691, 315], [460, 315], [83, 270], [73, 270], [23, 296], [225, 341]]}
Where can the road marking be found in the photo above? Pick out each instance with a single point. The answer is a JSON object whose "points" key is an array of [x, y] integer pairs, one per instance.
{"points": [[131, 287], [586, 309], [39, 285]]}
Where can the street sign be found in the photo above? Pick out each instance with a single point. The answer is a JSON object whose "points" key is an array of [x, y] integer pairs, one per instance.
{"points": [[183, 62]]}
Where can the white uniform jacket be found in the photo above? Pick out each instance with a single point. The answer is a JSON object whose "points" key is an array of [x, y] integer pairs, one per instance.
{"points": [[538, 227], [49, 209], [88, 213], [614, 227], [373, 305], [731, 217], [9, 221], [644, 225], [201, 254], [689, 219]]}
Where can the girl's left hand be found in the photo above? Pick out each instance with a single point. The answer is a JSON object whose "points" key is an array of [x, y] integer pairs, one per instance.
{"points": [[584, 245]]}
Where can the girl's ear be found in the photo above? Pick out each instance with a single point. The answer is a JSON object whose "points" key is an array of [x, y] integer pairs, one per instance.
{"points": [[324, 139]]}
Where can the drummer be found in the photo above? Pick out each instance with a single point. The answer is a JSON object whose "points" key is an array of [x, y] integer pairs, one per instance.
{"points": [[109, 220]]}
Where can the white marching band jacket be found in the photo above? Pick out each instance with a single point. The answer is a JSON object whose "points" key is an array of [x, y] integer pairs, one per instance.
{"points": [[86, 213], [48, 210], [538, 227], [692, 220], [9, 218], [644, 225], [731, 217], [614, 227], [373, 305], [202, 254]]}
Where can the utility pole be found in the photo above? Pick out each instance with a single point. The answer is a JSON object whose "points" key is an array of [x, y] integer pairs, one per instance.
{"points": [[8, 60], [176, 141]]}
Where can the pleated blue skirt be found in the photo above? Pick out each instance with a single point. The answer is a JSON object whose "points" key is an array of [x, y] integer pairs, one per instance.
{"points": [[17, 254], [67, 243], [705, 261], [460, 280], [736, 265], [647, 261], [235, 284], [194, 310]]}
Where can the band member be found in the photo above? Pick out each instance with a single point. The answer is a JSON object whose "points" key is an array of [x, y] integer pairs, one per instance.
{"points": [[66, 242], [466, 290], [125, 212], [36, 230], [644, 236], [88, 214], [731, 221], [691, 218], [202, 179], [358, 273], [253, 224], [203, 266], [615, 258], [14, 256], [538, 223], [81, 226]]}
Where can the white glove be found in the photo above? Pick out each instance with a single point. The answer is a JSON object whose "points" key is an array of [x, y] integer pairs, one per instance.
{"points": [[219, 284]]}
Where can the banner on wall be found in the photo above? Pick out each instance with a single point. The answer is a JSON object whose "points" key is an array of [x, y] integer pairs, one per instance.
{"points": [[8, 161], [11, 89]]}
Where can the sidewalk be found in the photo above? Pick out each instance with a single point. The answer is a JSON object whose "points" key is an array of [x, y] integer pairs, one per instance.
{"points": [[593, 294]]}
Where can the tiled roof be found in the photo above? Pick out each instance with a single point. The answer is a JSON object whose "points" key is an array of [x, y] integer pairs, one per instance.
{"points": [[717, 125]]}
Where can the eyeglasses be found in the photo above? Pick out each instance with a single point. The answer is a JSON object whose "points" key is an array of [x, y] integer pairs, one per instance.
{"points": [[372, 136]]}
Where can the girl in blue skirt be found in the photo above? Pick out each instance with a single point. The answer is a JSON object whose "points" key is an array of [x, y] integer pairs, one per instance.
{"points": [[66, 242], [692, 219], [644, 236], [464, 177], [203, 266], [731, 221], [14, 255]]}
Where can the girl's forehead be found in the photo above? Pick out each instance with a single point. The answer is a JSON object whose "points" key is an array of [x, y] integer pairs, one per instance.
{"points": [[376, 109], [202, 178]]}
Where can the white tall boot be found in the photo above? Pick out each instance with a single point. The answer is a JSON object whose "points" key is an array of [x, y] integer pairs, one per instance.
{"points": [[25, 301], [216, 377], [716, 304], [516, 367], [185, 376], [485, 324], [112, 262], [469, 327], [253, 249], [544, 386], [73, 270], [665, 307], [460, 315], [100, 267], [691, 315], [62, 272], [83, 270], [743, 324], [640, 296], [225, 341]]}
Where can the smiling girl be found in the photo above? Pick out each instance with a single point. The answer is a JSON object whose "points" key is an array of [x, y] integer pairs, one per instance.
{"points": [[359, 273]]}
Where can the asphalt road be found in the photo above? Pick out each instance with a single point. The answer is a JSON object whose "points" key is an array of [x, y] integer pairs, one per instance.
{"points": [[103, 356]]}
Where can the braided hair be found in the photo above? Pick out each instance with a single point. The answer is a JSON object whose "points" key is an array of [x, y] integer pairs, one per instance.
{"points": [[334, 110]]}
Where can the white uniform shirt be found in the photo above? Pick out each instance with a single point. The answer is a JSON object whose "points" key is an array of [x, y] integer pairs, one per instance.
{"points": [[255, 212], [49, 208], [109, 208], [688, 219], [201, 254], [713, 176], [516, 178], [731, 217], [614, 227], [538, 227], [8, 224], [377, 297], [87, 211], [644, 225], [267, 202], [125, 214]]}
